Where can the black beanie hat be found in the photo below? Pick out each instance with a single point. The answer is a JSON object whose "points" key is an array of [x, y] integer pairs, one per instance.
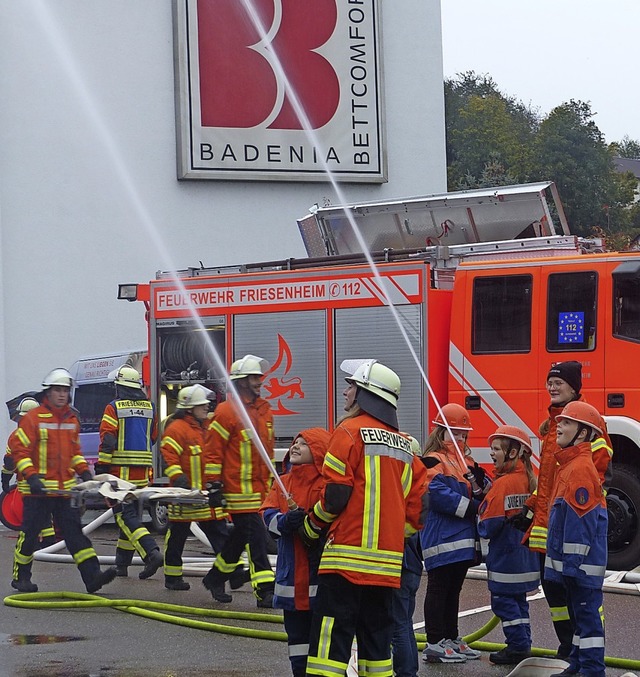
{"points": [[571, 372]]}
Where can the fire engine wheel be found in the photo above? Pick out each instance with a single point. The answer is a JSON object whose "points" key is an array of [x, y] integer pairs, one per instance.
{"points": [[159, 517], [623, 507]]}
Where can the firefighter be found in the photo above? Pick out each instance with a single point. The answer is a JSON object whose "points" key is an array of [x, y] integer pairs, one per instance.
{"points": [[48, 534], [128, 430], [47, 455], [564, 382], [449, 535], [577, 536], [512, 569], [189, 467], [246, 479], [297, 566], [370, 502]]}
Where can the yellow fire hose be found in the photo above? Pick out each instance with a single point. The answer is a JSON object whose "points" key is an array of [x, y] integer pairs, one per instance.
{"points": [[178, 614]]}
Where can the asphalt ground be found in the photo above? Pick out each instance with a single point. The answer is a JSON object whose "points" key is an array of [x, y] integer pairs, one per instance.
{"points": [[105, 642]]}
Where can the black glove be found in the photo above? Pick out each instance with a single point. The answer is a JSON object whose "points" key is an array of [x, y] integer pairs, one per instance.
{"points": [[309, 533], [86, 475], [478, 473], [291, 521], [6, 481], [521, 520], [477, 491], [36, 485], [182, 481], [102, 468], [216, 497]]}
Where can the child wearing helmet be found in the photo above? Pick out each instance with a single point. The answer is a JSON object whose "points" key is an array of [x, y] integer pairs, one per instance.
{"points": [[577, 535], [448, 537], [297, 566], [512, 569]]}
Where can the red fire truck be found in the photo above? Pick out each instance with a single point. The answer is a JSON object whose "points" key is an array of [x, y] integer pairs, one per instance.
{"points": [[490, 290]]}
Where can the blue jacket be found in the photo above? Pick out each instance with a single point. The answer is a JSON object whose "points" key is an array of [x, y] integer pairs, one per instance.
{"points": [[577, 538], [511, 567], [448, 536]]}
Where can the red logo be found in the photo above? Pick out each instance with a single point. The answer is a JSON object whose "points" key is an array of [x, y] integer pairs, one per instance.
{"points": [[283, 388], [241, 85]]}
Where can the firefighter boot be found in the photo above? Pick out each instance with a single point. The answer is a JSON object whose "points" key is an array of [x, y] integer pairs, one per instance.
{"points": [[264, 593], [176, 583], [152, 562], [122, 571], [214, 583], [22, 582], [101, 578], [24, 585], [239, 577]]}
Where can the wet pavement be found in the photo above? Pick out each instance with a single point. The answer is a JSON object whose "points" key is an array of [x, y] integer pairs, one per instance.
{"points": [[106, 642]]}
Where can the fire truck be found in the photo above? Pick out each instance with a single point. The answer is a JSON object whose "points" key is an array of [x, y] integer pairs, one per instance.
{"points": [[486, 289]]}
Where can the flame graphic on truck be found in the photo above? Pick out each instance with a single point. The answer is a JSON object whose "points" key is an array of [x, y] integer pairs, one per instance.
{"points": [[280, 388]]}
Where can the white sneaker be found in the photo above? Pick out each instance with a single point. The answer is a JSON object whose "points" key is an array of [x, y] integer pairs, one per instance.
{"points": [[442, 652], [461, 647]]}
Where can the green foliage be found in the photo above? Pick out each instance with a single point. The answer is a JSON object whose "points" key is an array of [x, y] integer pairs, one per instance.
{"points": [[627, 148], [493, 139]]}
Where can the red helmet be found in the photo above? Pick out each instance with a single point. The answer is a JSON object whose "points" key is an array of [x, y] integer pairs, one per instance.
{"points": [[513, 433], [455, 415], [584, 413]]}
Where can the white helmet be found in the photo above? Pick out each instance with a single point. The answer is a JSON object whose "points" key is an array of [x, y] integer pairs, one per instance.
{"points": [[58, 377], [126, 376], [248, 365], [27, 404], [374, 377], [193, 396]]}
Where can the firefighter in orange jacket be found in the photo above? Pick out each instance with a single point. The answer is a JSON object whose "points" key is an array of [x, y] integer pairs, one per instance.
{"points": [[246, 479], [48, 456], [564, 382], [189, 468], [373, 498], [128, 429]]}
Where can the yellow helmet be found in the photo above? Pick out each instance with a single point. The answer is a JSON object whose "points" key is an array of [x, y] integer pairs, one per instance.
{"points": [[193, 396], [126, 376], [374, 377]]}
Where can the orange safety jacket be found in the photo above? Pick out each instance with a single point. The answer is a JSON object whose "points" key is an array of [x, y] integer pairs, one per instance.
{"points": [[236, 460], [182, 448], [48, 445], [365, 542], [540, 500]]}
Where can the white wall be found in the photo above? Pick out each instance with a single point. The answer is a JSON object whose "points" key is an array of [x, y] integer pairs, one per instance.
{"points": [[88, 189]]}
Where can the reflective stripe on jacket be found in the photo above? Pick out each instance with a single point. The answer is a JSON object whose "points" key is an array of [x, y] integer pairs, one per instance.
{"points": [[182, 448], [236, 459], [365, 543], [48, 445], [577, 542], [511, 567], [134, 425]]}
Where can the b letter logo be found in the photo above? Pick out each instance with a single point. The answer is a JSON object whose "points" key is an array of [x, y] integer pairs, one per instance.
{"points": [[242, 85], [279, 87]]}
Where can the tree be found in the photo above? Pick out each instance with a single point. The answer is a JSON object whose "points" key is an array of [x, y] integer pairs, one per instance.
{"points": [[570, 150], [627, 148]]}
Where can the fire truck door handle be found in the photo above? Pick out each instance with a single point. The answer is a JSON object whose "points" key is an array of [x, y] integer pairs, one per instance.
{"points": [[472, 402], [615, 400]]}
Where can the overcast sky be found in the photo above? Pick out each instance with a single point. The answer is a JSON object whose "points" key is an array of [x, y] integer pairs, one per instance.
{"points": [[546, 52]]}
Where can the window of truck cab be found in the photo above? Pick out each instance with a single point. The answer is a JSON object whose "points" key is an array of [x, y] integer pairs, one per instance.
{"points": [[90, 400], [501, 314], [572, 311], [626, 301]]}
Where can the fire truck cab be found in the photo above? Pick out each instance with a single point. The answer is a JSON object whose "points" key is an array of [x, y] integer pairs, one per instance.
{"points": [[480, 291]]}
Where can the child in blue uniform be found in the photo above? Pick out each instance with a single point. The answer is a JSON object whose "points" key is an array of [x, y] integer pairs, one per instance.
{"points": [[297, 565], [512, 569]]}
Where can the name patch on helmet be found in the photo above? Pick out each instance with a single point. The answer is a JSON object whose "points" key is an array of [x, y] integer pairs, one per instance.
{"points": [[380, 442], [582, 495]]}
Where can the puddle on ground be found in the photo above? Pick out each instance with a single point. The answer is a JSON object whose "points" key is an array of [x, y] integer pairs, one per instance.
{"points": [[18, 640]]}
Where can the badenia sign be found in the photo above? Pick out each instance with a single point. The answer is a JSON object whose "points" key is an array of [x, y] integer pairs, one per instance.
{"points": [[279, 89]]}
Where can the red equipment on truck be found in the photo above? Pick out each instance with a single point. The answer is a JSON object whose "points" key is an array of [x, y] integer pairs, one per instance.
{"points": [[489, 293]]}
